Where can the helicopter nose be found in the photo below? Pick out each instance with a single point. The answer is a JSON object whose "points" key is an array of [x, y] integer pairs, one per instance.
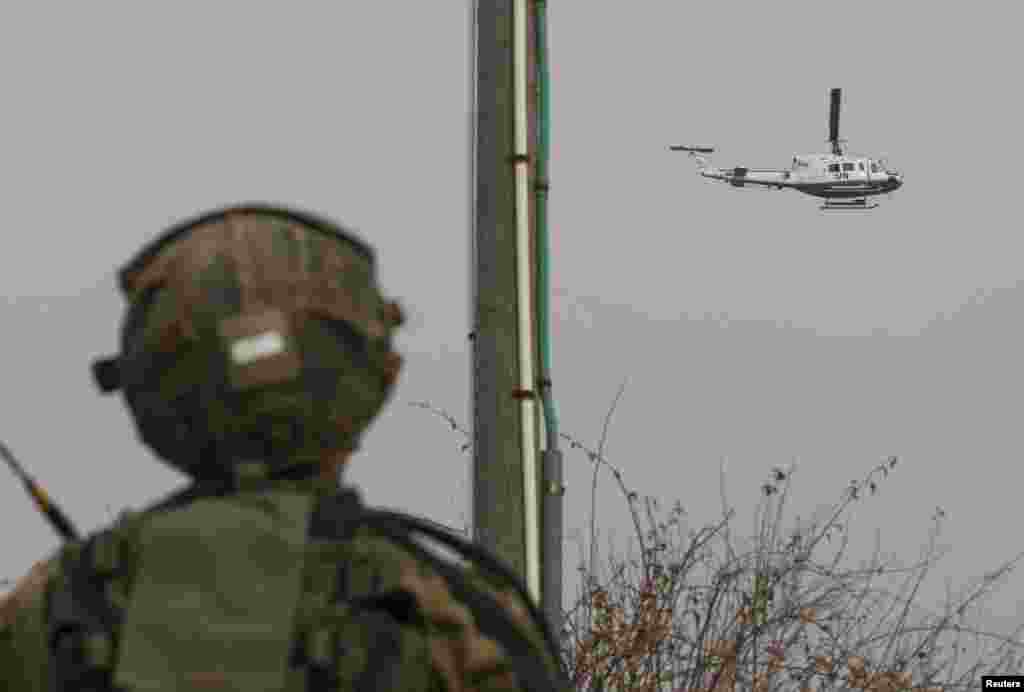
{"points": [[895, 181]]}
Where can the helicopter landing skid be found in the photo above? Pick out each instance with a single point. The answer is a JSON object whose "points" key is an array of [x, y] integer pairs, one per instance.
{"points": [[847, 204]]}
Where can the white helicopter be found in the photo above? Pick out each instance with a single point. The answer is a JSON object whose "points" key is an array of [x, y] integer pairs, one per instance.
{"points": [[844, 181]]}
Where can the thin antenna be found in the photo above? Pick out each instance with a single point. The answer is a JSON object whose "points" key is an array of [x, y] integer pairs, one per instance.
{"points": [[42, 501]]}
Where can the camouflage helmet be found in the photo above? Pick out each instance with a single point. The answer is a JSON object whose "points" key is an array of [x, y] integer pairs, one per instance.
{"points": [[255, 336]]}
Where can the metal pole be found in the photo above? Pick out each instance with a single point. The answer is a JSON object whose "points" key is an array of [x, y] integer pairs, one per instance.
{"points": [[498, 493]]}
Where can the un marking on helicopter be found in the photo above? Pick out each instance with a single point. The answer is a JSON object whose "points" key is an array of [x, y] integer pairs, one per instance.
{"points": [[843, 180]]}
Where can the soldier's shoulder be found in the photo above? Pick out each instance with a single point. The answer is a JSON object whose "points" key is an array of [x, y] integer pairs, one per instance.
{"points": [[502, 589], [22, 629], [371, 544], [458, 599], [27, 591]]}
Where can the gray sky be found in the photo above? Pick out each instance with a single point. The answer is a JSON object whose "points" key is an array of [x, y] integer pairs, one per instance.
{"points": [[750, 325]]}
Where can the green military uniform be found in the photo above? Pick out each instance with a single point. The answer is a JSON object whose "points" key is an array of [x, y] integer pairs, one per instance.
{"points": [[256, 344]]}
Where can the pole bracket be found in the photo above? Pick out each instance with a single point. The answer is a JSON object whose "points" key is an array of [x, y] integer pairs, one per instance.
{"points": [[555, 488]]}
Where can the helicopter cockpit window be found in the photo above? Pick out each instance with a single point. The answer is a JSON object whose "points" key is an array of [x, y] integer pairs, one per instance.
{"points": [[860, 166], [847, 166], [833, 168], [875, 168]]}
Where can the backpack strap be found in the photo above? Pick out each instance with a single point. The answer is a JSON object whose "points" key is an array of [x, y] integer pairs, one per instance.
{"points": [[82, 618]]}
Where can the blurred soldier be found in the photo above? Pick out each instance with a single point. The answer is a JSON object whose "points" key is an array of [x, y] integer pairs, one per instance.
{"points": [[255, 351]]}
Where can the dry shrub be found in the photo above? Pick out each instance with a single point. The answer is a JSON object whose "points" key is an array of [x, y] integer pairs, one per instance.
{"points": [[697, 612]]}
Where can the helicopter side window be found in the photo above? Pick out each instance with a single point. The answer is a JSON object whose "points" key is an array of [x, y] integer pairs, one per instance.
{"points": [[874, 167], [847, 166], [860, 166], [833, 168]]}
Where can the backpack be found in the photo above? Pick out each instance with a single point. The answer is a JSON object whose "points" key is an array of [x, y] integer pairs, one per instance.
{"points": [[90, 623]]}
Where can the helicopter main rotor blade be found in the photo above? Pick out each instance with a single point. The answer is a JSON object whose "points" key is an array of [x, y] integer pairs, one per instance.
{"points": [[698, 150], [833, 119]]}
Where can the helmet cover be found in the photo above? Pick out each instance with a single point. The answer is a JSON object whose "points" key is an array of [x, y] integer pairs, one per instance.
{"points": [[254, 334]]}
